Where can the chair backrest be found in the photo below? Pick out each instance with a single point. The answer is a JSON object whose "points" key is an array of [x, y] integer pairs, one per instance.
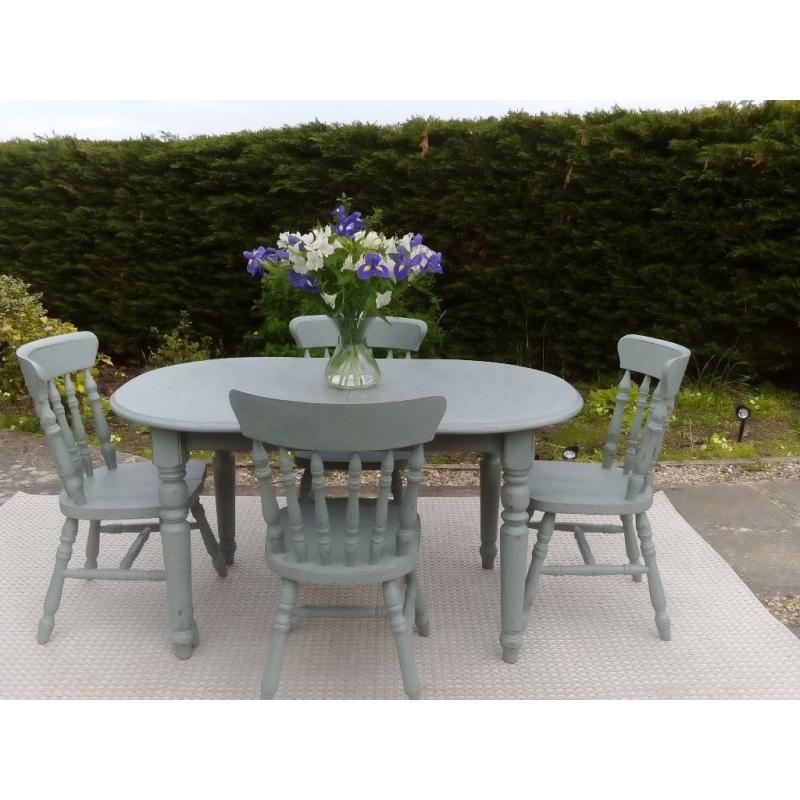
{"points": [[390, 334], [48, 366], [351, 428], [662, 365]]}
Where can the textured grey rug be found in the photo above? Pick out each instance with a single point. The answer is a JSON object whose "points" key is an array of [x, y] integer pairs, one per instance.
{"points": [[587, 638]]}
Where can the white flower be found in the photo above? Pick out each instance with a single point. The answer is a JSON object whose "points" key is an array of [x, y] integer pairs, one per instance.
{"points": [[382, 298], [373, 240], [389, 245], [299, 264], [315, 260], [329, 299], [359, 235], [348, 264]]}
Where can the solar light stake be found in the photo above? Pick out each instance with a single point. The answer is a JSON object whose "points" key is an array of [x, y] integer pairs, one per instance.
{"points": [[570, 453], [742, 414]]}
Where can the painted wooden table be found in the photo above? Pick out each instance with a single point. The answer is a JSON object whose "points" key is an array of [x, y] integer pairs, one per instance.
{"points": [[492, 409]]}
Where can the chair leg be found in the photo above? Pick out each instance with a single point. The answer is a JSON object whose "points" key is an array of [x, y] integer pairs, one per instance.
{"points": [[416, 602], [653, 577], [209, 540], [631, 542], [402, 638], [53, 598], [283, 617], [545, 532], [92, 545]]}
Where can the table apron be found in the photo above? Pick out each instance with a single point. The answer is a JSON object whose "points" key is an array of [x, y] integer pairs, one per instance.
{"points": [[448, 442]]}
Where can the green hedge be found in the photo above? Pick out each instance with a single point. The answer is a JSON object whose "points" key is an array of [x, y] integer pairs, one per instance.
{"points": [[560, 232]]}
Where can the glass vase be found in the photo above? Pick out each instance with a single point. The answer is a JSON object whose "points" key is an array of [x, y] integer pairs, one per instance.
{"points": [[352, 365]]}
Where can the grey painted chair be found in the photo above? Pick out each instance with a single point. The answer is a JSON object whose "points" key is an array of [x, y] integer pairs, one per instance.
{"points": [[345, 540], [394, 334], [559, 487], [113, 492]]}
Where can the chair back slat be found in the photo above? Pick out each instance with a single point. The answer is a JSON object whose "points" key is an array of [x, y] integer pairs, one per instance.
{"points": [[51, 357], [296, 527], [392, 334], [314, 331], [320, 508], [408, 505], [100, 425], [63, 424], [269, 502], [396, 333], [381, 508], [78, 429], [642, 402], [343, 428], [352, 522]]}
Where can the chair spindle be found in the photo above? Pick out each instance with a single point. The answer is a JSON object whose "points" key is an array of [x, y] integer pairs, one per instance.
{"points": [[408, 506], [100, 424], [63, 424], [647, 452], [78, 429], [635, 434], [351, 517], [269, 503], [293, 505], [381, 508], [320, 508], [615, 427], [68, 471]]}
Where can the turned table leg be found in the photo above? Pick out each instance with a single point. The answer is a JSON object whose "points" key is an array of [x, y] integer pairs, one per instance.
{"points": [[225, 495], [490, 506], [169, 456], [517, 457]]}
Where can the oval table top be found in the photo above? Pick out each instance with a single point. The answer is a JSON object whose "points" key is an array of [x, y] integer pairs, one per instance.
{"points": [[482, 397]]}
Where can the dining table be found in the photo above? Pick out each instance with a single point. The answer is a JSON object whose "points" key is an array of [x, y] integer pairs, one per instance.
{"points": [[493, 409]]}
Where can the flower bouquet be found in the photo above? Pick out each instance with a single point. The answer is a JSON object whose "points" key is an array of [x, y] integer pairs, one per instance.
{"points": [[356, 273]]}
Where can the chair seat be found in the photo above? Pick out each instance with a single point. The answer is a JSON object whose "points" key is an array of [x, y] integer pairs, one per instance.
{"points": [[562, 487], [369, 460], [389, 565], [128, 492]]}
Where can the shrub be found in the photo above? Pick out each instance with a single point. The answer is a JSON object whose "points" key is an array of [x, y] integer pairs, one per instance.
{"points": [[179, 345], [23, 319]]}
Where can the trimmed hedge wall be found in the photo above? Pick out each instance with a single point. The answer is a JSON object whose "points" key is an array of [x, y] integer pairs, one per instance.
{"points": [[560, 232]]}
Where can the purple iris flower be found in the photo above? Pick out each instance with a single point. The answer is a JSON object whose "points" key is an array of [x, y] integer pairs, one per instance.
{"points": [[434, 264], [347, 224], [372, 267], [308, 283], [403, 264], [416, 240], [292, 239], [253, 257]]}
